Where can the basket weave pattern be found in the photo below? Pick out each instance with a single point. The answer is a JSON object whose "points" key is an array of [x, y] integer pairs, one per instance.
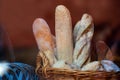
{"points": [[47, 73]]}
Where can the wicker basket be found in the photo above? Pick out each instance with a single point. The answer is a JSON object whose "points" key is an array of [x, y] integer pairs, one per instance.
{"points": [[47, 73]]}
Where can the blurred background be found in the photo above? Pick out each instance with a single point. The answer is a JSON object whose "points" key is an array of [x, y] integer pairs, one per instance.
{"points": [[17, 16]]}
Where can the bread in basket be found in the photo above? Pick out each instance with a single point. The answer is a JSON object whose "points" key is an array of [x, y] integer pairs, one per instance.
{"points": [[68, 55]]}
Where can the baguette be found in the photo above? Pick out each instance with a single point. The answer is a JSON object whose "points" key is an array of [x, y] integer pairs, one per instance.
{"points": [[88, 60], [43, 35], [82, 26], [103, 51], [44, 39], [93, 66], [82, 40], [84, 55], [63, 30]]}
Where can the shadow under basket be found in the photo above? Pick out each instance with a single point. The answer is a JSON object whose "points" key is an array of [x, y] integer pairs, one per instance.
{"points": [[47, 73]]}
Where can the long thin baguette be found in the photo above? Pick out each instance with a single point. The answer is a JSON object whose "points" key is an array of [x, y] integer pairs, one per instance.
{"points": [[83, 55], [76, 29], [43, 35], [87, 61], [82, 39], [81, 26], [44, 38], [63, 30]]}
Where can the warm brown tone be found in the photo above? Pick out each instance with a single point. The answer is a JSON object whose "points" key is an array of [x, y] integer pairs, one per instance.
{"points": [[47, 73], [17, 16]]}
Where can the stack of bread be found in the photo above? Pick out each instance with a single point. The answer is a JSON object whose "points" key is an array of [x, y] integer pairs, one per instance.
{"points": [[70, 49]]}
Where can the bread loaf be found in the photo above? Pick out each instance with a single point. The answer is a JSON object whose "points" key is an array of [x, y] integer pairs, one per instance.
{"points": [[82, 26], [43, 35], [44, 38], [103, 51], [82, 39], [63, 30]]}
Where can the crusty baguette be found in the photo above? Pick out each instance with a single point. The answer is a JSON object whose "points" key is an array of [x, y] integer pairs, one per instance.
{"points": [[92, 66], [44, 38], [88, 60], [83, 38], [84, 55], [76, 29], [43, 35], [103, 51], [82, 26], [63, 30]]}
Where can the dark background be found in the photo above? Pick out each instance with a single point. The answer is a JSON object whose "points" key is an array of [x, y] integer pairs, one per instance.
{"points": [[17, 16]]}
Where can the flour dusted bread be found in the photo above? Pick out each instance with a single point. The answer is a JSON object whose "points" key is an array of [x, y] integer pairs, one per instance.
{"points": [[43, 35], [67, 55], [92, 66], [63, 30], [83, 33], [44, 38], [82, 26]]}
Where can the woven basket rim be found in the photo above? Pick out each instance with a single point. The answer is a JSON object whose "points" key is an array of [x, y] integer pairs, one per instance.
{"points": [[46, 71]]}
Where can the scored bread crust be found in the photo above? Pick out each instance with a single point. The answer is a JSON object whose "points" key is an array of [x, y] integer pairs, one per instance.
{"points": [[83, 33]]}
